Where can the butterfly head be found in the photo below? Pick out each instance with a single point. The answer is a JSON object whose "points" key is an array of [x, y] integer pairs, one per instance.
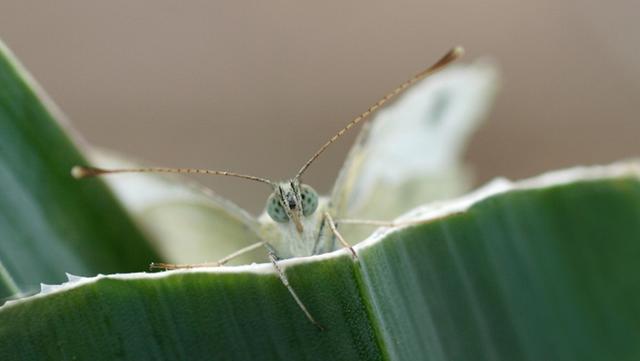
{"points": [[292, 201]]}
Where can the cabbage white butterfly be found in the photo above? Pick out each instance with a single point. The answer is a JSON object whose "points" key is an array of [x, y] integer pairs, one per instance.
{"points": [[406, 149]]}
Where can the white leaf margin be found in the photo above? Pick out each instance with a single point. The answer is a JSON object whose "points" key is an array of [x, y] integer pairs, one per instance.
{"points": [[427, 213]]}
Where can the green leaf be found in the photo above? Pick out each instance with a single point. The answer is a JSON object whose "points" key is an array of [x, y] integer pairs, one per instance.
{"points": [[544, 269], [51, 223]]}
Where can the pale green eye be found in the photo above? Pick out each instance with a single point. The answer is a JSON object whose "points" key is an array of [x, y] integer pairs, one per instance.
{"points": [[275, 210], [309, 200]]}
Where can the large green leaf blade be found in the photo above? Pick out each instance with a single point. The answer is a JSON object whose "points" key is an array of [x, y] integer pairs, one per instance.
{"points": [[196, 315], [544, 270], [544, 274], [50, 223]]}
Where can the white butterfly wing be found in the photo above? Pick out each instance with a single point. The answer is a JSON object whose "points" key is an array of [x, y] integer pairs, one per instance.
{"points": [[188, 223], [411, 151]]}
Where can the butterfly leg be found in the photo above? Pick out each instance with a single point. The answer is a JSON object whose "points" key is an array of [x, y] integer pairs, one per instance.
{"points": [[334, 229], [285, 281], [222, 261]]}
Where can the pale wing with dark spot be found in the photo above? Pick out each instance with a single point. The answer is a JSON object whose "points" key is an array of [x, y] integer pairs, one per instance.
{"points": [[411, 151], [188, 223]]}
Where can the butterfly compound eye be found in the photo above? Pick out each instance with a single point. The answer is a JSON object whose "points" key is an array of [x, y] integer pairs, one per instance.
{"points": [[275, 210], [309, 200]]}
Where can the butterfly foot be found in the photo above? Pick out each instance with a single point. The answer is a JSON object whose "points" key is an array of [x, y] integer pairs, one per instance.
{"points": [[172, 266], [160, 266], [354, 255]]}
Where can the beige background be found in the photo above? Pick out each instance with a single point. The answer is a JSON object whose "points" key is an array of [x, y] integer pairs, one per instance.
{"points": [[257, 86]]}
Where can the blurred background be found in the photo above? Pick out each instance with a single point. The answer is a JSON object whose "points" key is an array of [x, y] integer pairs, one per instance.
{"points": [[256, 86]]}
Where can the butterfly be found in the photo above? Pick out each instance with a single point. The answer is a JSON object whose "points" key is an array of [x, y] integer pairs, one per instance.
{"points": [[406, 154]]}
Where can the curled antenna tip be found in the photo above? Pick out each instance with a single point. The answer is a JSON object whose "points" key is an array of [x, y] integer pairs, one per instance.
{"points": [[453, 54], [458, 51], [79, 172]]}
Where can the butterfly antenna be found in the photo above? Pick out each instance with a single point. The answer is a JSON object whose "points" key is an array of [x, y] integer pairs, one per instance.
{"points": [[86, 172], [449, 57]]}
